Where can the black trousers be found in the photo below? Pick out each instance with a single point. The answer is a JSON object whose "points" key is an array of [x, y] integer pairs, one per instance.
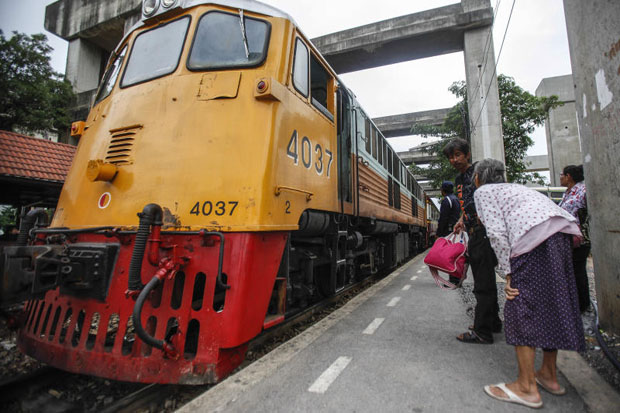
{"points": [[483, 261], [580, 259]]}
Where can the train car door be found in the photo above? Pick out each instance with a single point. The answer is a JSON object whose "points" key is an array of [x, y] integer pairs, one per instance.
{"points": [[345, 149]]}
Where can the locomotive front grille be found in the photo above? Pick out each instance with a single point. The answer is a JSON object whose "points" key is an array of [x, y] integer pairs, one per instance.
{"points": [[120, 149]]}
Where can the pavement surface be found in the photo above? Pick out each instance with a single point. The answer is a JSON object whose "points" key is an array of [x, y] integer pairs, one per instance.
{"points": [[393, 349]]}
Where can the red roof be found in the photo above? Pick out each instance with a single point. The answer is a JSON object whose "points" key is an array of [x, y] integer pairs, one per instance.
{"points": [[26, 157]]}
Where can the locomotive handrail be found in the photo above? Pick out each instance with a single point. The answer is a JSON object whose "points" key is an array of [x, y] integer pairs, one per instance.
{"points": [[280, 188], [218, 280]]}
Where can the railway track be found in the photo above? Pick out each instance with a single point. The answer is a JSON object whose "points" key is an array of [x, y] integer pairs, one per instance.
{"points": [[53, 390]]}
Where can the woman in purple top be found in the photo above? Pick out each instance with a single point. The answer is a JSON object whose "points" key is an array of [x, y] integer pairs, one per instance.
{"points": [[532, 239], [574, 201]]}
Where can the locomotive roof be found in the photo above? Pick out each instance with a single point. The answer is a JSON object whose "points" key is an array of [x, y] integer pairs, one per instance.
{"points": [[246, 5]]}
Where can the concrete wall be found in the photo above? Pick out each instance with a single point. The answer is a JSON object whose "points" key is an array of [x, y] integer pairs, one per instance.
{"points": [[563, 146], [594, 40]]}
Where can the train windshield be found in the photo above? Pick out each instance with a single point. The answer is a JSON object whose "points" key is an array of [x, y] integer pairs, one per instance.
{"points": [[226, 40], [156, 52]]}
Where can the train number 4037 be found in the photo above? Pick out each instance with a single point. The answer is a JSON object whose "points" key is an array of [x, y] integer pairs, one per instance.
{"points": [[306, 154], [218, 208]]}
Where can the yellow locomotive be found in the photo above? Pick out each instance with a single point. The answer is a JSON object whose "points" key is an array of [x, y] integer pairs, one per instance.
{"points": [[225, 178]]}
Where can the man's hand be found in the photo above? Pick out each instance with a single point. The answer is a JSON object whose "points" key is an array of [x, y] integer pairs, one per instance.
{"points": [[511, 293], [459, 226]]}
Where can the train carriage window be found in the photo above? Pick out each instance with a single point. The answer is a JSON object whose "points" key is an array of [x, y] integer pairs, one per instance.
{"points": [[380, 149], [110, 76], [155, 52], [300, 68], [225, 40], [390, 160], [367, 136], [396, 195], [385, 154], [374, 143], [320, 81], [396, 166]]}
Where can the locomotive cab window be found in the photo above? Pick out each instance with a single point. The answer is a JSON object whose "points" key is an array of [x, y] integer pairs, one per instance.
{"points": [[300, 68], [321, 86], [156, 52], [225, 40], [110, 76]]}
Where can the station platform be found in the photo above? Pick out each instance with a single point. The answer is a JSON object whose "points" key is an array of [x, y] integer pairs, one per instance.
{"points": [[393, 348]]}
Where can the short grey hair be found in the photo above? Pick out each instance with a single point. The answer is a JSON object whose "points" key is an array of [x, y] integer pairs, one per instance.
{"points": [[490, 171]]}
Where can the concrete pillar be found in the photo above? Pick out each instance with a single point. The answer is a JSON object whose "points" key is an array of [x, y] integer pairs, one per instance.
{"points": [[483, 97], [594, 40], [84, 65], [563, 146]]}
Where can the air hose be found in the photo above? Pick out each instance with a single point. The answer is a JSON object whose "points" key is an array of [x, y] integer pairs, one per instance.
{"points": [[151, 215], [166, 267], [28, 222]]}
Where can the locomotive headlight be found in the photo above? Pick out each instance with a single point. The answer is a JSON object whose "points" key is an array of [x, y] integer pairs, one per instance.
{"points": [[168, 3], [149, 7]]}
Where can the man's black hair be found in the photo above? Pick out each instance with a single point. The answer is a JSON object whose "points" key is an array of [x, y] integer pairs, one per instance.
{"points": [[575, 171], [456, 144]]}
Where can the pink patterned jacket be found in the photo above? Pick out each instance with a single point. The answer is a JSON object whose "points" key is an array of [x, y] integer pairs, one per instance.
{"points": [[518, 219]]}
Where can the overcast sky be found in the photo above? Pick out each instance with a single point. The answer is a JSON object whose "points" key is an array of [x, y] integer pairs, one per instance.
{"points": [[536, 47]]}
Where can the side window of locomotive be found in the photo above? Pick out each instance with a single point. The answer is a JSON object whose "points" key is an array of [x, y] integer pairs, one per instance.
{"points": [[367, 135], [110, 76], [380, 147], [300, 68], [155, 53], [225, 40], [320, 80]]}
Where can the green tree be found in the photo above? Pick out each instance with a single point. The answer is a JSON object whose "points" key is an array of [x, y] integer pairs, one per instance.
{"points": [[521, 112], [34, 97]]}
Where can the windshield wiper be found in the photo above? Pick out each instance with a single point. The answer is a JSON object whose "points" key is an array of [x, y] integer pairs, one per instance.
{"points": [[245, 39]]}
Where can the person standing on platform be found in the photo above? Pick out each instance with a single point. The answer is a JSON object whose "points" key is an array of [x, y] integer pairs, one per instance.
{"points": [[532, 238], [481, 256], [449, 210], [574, 201]]}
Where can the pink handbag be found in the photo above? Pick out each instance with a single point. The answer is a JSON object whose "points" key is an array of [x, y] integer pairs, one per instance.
{"points": [[448, 255]]}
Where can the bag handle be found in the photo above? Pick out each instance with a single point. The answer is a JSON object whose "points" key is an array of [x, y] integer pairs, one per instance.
{"points": [[461, 237], [445, 284]]}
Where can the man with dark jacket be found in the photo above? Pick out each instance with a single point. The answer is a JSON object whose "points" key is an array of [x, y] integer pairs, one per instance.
{"points": [[449, 210], [481, 256]]}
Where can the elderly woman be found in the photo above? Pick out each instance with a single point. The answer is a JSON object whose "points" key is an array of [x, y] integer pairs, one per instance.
{"points": [[532, 239], [574, 201]]}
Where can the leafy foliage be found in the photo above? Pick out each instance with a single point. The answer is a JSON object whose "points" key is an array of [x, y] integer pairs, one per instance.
{"points": [[521, 112], [35, 98], [7, 216]]}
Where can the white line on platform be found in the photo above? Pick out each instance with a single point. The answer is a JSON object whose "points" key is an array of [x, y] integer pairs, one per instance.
{"points": [[393, 302], [327, 378], [406, 287], [419, 271], [415, 277], [372, 327]]}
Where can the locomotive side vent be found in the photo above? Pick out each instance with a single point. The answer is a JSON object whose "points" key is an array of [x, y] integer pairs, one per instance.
{"points": [[121, 145]]}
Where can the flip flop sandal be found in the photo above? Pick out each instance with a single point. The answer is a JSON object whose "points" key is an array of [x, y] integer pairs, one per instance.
{"points": [[560, 392], [495, 330], [472, 337], [512, 398]]}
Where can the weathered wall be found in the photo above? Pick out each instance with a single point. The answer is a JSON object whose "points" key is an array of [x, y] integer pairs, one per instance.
{"points": [[594, 39], [563, 146]]}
